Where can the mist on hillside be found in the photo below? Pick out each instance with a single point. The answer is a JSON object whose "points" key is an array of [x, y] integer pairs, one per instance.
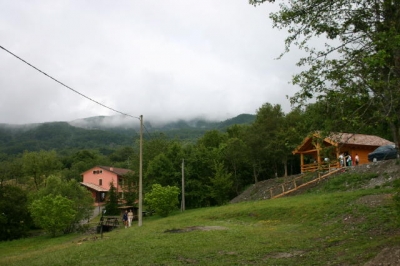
{"points": [[127, 122]]}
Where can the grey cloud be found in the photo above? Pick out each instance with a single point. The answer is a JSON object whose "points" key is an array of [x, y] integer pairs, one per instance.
{"points": [[170, 60]]}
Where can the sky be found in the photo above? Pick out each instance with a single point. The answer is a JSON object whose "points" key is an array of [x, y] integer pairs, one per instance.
{"points": [[165, 60]]}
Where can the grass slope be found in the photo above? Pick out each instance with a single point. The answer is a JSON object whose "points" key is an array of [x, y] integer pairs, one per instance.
{"points": [[325, 226]]}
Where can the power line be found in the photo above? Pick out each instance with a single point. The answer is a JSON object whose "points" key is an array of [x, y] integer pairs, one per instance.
{"points": [[147, 131], [81, 94]]}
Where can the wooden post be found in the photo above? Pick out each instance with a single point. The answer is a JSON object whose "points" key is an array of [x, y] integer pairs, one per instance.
{"points": [[183, 186], [302, 162], [140, 214]]}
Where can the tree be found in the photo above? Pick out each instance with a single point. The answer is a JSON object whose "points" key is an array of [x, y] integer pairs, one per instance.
{"points": [[234, 152], [221, 184], [53, 214], [123, 157], [80, 161], [151, 148], [162, 200], [72, 190], [198, 169], [111, 206], [358, 68], [160, 170], [39, 165], [11, 170], [265, 143], [14, 215], [212, 139], [130, 188]]}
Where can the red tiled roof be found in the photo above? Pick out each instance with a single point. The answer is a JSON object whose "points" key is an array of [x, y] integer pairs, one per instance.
{"points": [[94, 187]]}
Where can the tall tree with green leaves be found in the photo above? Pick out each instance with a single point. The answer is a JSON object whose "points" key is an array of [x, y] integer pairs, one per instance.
{"points": [[80, 161], [220, 184], [11, 171], [131, 189], [111, 205], [358, 67], [160, 171], [265, 141], [40, 165], [234, 152], [14, 214], [198, 169]]}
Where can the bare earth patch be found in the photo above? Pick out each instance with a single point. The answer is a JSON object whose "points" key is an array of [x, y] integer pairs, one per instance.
{"points": [[374, 200], [194, 228], [283, 255], [387, 257]]}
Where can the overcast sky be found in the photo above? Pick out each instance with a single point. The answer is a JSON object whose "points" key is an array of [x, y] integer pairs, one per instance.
{"points": [[165, 60]]}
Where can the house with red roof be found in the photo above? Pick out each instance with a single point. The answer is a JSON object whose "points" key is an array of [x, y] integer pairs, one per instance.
{"points": [[99, 178], [317, 151]]}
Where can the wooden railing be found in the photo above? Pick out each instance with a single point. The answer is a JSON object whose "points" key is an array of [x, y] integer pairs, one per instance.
{"points": [[325, 166], [299, 182]]}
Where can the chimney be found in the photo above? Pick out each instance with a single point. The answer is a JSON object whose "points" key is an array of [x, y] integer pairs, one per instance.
{"points": [[111, 169]]}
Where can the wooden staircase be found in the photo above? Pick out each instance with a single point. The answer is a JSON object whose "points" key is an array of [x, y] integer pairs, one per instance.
{"points": [[299, 182]]}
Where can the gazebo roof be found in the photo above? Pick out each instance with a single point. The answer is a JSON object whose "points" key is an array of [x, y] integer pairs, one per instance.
{"points": [[358, 139], [338, 139]]}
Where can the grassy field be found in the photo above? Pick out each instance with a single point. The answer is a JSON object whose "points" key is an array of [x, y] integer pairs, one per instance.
{"points": [[326, 226]]}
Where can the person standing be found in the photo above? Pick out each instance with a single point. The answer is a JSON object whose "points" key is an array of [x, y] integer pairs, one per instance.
{"points": [[357, 159], [125, 218], [130, 217], [341, 160], [349, 161]]}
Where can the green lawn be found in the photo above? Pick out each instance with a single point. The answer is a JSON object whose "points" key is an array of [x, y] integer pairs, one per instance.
{"points": [[331, 228]]}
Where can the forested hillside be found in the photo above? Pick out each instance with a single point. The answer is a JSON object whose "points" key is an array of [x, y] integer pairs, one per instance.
{"points": [[100, 133]]}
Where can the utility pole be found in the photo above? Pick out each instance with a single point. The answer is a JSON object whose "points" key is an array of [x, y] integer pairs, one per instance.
{"points": [[183, 186], [140, 214]]}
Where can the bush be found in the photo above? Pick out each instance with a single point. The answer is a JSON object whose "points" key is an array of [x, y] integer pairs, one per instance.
{"points": [[162, 199], [53, 214]]}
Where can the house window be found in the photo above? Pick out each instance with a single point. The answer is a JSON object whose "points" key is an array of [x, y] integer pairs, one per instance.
{"points": [[100, 182], [96, 172]]}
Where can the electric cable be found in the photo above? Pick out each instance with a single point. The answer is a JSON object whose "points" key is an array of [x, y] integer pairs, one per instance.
{"points": [[81, 94]]}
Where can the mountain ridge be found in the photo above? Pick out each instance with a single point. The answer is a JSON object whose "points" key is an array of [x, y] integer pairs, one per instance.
{"points": [[101, 132]]}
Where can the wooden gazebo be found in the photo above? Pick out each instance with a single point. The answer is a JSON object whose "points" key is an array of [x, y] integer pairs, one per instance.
{"points": [[318, 152]]}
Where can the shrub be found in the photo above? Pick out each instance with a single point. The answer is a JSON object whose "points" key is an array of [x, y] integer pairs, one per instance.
{"points": [[162, 199], [53, 214]]}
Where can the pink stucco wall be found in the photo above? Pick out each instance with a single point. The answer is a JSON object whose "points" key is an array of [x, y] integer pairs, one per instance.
{"points": [[95, 174]]}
